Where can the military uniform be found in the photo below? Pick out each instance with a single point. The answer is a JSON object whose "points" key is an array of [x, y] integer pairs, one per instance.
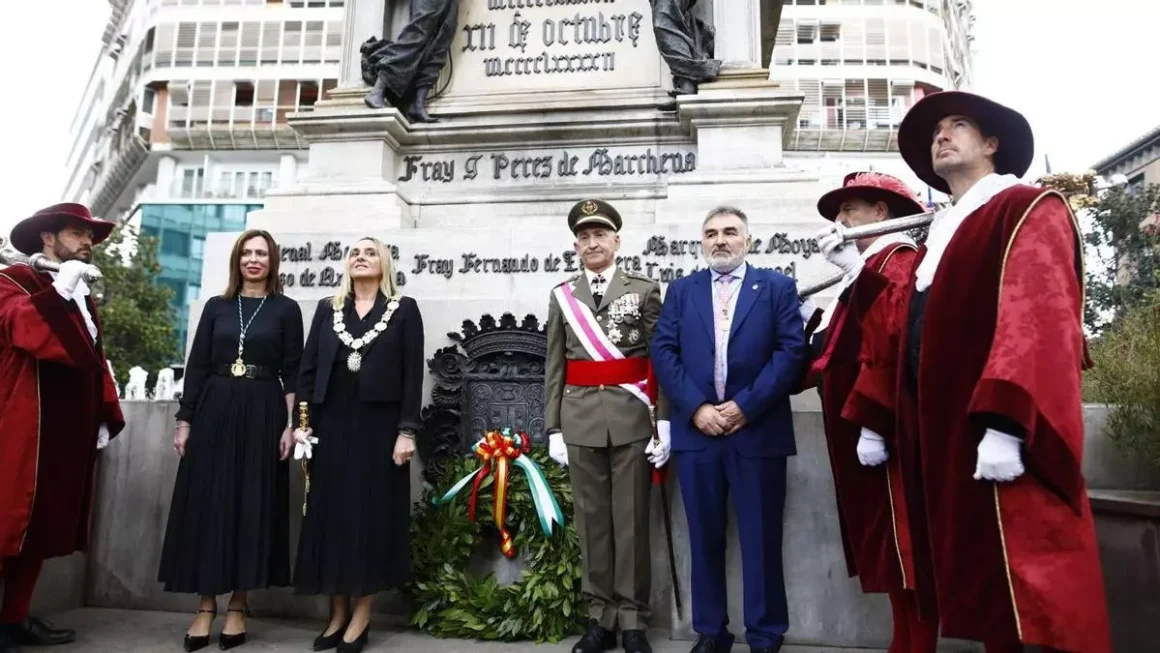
{"points": [[595, 378]]}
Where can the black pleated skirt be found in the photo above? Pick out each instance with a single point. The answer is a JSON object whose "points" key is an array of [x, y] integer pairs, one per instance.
{"points": [[355, 538], [228, 525]]}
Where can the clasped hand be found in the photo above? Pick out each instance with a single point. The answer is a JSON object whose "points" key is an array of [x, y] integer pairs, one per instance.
{"points": [[722, 419]]}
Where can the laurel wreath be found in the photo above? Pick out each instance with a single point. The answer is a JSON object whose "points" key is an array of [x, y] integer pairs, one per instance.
{"points": [[545, 605]]}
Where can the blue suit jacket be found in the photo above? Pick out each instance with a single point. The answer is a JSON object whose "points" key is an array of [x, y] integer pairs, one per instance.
{"points": [[767, 349]]}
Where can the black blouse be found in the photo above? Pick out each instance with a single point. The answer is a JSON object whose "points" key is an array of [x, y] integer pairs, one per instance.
{"points": [[273, 341]]}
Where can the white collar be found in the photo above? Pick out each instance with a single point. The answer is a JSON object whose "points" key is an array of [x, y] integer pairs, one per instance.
{"points": [[607, 274], [948, 221]]}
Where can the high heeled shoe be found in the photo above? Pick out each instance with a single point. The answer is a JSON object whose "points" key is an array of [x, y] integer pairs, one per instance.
{"points": [[326, 642], [357, 645], [226, 642], [198, 642]]}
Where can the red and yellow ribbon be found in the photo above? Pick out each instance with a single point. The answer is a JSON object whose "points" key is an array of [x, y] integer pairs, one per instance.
{"points": [[499, 451]]}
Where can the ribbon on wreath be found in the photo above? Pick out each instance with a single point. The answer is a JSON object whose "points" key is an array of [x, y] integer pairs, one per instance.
{"points": [[499, 451]]}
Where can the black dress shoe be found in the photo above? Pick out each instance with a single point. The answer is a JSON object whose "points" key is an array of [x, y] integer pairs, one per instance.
{"points": [[765, 649], [326, 642], [597, 640], [357, 645], [198, 642], [707, 644], [37, 632], [635, 641]]}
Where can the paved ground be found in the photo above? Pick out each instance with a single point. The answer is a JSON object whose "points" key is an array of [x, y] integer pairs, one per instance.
{"points": [[122, 631]]}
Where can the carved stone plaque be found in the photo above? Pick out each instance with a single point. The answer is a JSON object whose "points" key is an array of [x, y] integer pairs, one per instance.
{"points": [[493, 380]]}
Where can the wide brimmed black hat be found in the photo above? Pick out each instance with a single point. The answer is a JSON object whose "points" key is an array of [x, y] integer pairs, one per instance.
{"points": [[1016, 142]]}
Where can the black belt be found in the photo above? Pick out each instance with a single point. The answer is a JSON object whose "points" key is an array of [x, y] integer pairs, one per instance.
{"points": [[252, 372]]}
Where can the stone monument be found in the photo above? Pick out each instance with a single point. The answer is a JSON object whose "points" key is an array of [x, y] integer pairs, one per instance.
{"points": [[541, 104]]}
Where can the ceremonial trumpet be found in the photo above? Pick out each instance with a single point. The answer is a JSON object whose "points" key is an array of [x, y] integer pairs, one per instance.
{"points": [[41, 262], [882, 228]]}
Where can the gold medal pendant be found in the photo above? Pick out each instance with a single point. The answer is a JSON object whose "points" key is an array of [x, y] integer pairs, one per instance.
{"points": [[354, 361], [238, 369]]}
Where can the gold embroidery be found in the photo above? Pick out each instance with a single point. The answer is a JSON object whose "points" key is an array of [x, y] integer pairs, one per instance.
{"points": [[894, 523], [1007, 562]]}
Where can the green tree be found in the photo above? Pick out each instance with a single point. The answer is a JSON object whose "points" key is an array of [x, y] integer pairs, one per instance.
{"points": [[1126, 275], [134, 308]]}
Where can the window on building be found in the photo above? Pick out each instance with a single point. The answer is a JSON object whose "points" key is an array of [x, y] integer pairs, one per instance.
{"points": [[831, 32], [307, 93], [197, 251], [243, 94], [175, 243], [148, 97], [807, 32], [191, 181], [265, 182]]}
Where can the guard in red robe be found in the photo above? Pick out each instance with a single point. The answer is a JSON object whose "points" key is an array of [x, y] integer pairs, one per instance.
{"points": [[58, 406], [872, 515], [985, 400]]}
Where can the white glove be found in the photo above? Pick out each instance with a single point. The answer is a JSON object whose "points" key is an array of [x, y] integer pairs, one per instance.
{"points": [[659, 448], [557, 450], [807, 309], [68, 277], [838, 252], [871, 449], [304, 442], [999, 458], [102, 437]]}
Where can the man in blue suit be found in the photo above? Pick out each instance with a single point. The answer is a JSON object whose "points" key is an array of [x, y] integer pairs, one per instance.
{"points": [[728, 351]]}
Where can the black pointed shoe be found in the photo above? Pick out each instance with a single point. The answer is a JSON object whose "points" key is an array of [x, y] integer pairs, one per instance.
{"points": [[597, 640], [357, 645], [635, 641], [326, 642], [228, 641], [198, 642]]}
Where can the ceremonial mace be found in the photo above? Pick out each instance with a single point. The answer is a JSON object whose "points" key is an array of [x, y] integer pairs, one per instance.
{"points": [[882, 228], [304, 424], [658, 478], [41, 262]]}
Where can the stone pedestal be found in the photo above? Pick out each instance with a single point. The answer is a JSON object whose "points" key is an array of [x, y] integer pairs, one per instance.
{"points": [[474, 206]]}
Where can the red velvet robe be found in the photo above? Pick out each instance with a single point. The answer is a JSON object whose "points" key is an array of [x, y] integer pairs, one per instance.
{"points": [[55, 392], [1001, 336], [871, 514]]}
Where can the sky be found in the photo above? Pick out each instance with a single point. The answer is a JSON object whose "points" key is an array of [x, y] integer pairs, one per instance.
{"points": [[1079, 71]]}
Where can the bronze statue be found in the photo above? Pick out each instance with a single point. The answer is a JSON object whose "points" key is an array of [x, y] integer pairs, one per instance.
{"points": [[402, 72], [686, 43]]}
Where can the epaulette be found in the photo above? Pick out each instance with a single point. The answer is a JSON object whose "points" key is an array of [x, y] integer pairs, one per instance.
{"points": [[571, 279], [639, 277]]}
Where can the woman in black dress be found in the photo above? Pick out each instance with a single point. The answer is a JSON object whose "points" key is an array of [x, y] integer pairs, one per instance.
{"points": [[362, 372], [228, 528]]}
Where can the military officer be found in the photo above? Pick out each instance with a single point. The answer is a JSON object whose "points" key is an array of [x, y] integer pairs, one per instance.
{"points": [[598, 382]]}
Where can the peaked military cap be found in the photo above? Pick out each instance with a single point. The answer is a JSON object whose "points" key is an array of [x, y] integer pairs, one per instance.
{"points": [[593, 213]]}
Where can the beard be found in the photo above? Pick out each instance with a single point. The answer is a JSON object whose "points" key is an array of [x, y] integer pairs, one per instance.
{"points": [[63, 253], [722, 261]]}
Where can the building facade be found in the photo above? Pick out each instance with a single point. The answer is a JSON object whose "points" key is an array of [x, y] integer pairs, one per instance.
{"points": [[1138, 161], [861, 64], [184, 115]]}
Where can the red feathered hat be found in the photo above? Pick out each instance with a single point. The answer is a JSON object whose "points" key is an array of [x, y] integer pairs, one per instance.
{"points": [[916, 133], [871, 187], [26, 233]]}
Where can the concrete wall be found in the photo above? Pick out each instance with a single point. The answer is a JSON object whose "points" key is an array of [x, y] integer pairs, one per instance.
{"points": [[136, 482]]}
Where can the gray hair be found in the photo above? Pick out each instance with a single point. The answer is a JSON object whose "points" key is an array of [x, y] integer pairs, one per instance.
{"points": [[725, 209]]}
